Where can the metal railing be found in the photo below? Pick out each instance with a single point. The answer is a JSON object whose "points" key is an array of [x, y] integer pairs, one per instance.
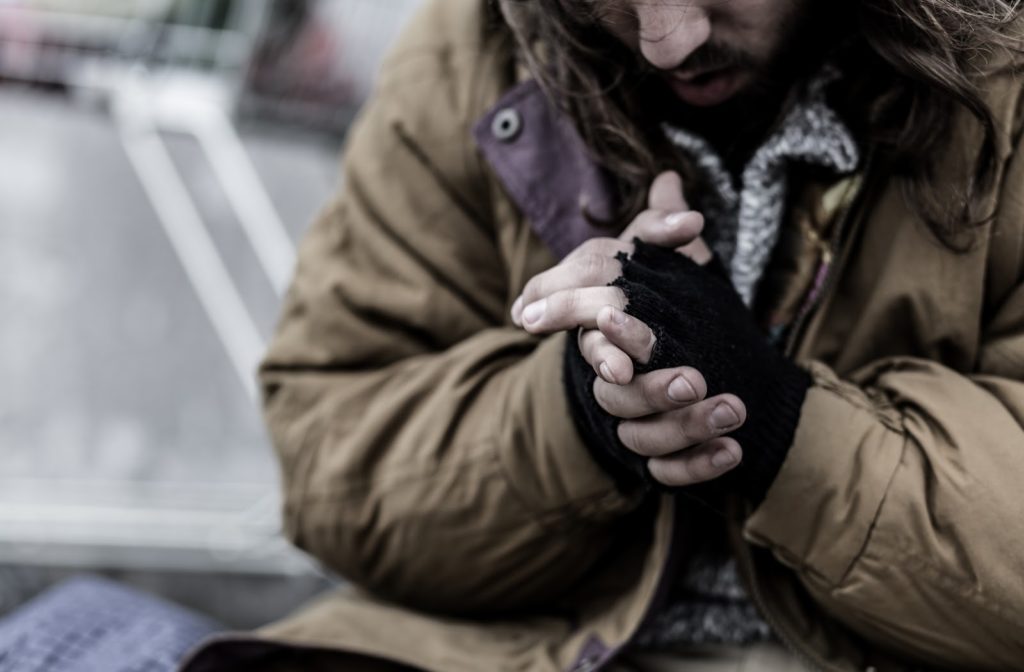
{"points": [[173, 67]]}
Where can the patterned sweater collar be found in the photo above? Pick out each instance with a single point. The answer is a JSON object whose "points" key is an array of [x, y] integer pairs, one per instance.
{"points": [[744, 221]]}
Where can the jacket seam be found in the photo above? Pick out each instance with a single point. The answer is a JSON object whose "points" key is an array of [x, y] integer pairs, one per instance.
{"points": [[479, 310], [871, 531], [460, 201], [342, 491], [952, 586]]}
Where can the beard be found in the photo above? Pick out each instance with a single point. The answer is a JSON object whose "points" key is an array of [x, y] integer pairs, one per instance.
{"points": [[737, 126]]}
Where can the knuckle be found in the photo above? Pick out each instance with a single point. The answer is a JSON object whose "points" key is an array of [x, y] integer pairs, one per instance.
{"points": [[650, 389], [610, 247], [684, 436], [618, 298], [601, 390], [632, 438], [570, 301], [648, 218], [673, 472], [595, 246], [532, 289], [592, 267], [627, 435], [558, 304], [650, 340], [588, 346]]}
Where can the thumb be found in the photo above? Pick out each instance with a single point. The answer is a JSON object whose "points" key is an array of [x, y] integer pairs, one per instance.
{"points": [[667, 193]]}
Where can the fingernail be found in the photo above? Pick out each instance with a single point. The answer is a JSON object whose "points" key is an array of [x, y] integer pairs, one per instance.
{"points": [[533, 312], [724, 458], [676, 218], [681, 390], [606, 372], [618, 317], [724, 417], [517, 309]]}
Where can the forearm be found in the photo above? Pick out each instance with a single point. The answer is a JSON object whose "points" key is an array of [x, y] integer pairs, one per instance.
{"points": [[898, 506], [394, 477], [698, 322]]}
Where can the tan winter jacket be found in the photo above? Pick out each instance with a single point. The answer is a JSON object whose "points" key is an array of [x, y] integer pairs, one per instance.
{"points": [[429, 457]]}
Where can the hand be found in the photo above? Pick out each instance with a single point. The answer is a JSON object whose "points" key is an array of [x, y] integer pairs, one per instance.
{"points": [[666, 415], [572, 293]]}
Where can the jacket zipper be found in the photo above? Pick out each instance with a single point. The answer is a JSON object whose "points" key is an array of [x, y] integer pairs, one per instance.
{"points": [[661, 591], [805, 654], [809, 657], [840, 256]]}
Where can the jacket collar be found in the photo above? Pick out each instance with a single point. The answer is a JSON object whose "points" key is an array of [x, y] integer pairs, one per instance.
{"points": [[544, 166]]}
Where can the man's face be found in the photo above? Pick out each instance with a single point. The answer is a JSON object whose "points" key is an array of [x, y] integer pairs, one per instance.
{"points": [[708, 51]]}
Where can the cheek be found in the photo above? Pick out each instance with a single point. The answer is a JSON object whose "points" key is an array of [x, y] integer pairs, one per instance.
{"points": [[757, 26]]}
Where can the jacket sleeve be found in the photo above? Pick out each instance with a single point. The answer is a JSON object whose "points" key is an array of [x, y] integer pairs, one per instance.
{"points": [[426, 445], [901, 503]]}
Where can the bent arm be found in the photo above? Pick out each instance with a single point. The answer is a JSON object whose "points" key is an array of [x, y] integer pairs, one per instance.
{"points": [[900, 504], [426, 447]]}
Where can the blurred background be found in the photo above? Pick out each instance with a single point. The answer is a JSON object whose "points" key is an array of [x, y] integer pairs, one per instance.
{"points": [[159, 160]]}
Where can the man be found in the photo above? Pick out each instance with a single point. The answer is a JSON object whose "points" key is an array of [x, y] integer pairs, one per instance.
{"points": [[665, 336]]}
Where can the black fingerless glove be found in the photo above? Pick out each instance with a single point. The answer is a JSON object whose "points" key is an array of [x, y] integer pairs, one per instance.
{"points": [[699, 321]]}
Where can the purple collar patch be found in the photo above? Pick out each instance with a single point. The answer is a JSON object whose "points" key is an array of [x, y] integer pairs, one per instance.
{"points": [[544, 166]]}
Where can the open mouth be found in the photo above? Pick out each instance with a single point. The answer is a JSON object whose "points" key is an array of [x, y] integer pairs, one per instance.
{"points": [[704, 77], [707, 88]]}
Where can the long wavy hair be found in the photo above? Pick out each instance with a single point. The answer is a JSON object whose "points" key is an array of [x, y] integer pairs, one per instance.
{"points": [[911, 66]]}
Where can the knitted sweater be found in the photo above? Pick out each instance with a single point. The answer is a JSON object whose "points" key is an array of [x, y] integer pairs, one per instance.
{"points": [[700, 320]]}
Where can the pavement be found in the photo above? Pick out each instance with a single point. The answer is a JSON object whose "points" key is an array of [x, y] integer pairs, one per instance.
{"points": [[131, 444]]}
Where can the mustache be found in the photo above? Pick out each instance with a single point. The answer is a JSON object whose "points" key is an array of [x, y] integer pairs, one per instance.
{"points": [[713, 56], [710, 56]]}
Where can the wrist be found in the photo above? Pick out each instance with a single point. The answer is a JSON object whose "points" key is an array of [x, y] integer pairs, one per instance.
{"points": [[768, 434], [700, 321]]}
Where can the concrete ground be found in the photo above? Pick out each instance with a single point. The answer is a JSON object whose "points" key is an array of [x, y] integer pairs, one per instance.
{"points": [[130, 443]]}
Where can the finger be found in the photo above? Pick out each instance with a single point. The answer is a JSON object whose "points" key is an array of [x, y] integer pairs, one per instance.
{"points": [[570, 308], [596, 258], [666, 433], [609, 362], [629, 334], [697, 465], [666, 192], [665, 228], [651, 393], [587, 270], [697, 250]]}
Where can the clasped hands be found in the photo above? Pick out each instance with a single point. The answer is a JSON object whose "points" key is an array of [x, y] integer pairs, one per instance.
{"points": [[665, 414]]}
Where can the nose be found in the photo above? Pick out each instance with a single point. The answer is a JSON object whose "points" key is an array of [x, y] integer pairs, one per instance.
{"points": [[671, 31]]}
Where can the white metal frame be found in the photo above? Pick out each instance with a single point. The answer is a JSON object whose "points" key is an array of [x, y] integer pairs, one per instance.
{"points": [[182, 527]]}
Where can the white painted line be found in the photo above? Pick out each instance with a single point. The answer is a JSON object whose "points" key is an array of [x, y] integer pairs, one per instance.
{"points": [[195, 248]]}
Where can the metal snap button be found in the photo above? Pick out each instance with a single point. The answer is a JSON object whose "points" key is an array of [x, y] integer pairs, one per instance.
{"points": [[506, 124]]}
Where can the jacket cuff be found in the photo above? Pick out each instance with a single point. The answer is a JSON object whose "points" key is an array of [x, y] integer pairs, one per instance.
{"points": [[815, 480]]}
